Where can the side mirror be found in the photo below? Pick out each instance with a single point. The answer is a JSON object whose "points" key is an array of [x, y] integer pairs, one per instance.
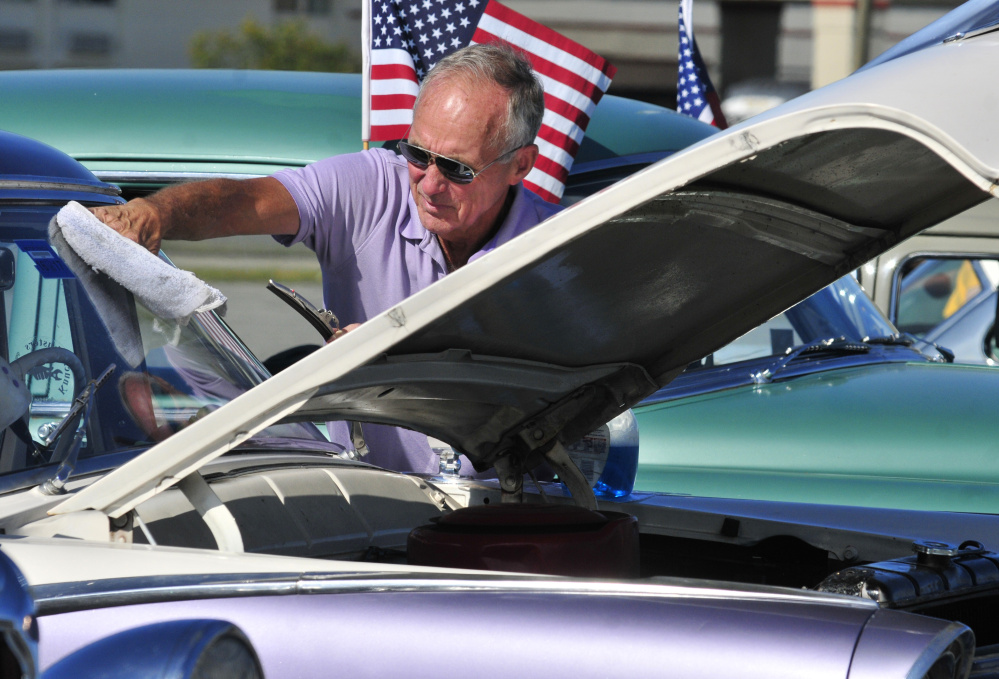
{"points": [[18, 625], [179, 649]]}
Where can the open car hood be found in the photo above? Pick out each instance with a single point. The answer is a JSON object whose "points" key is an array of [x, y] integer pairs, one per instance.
{"points": [[555, 333]]}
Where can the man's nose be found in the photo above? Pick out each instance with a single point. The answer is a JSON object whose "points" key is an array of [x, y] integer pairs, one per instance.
{"points": [[433, 180]]}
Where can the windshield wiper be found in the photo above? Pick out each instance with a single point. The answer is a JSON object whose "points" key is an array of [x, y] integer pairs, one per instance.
{"points": [[943, 354], [836, 345], [891, 340], [68, 448]]}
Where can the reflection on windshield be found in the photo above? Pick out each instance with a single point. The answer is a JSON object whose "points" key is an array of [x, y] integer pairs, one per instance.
{"points": [[841, 309], [53, 333]]}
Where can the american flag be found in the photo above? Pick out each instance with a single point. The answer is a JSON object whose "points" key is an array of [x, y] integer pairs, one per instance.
{"points": [[405, 38], [695, 95]]}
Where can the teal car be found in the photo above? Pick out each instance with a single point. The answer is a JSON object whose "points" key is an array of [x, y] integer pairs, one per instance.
{"points": [[826, 403], [143, 129]]}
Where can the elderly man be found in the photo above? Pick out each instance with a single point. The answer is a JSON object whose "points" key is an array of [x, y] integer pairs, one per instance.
{"points": [[385, 226]]}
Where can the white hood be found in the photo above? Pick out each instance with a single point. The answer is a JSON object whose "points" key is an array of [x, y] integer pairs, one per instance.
{"points": [[576, 320]]}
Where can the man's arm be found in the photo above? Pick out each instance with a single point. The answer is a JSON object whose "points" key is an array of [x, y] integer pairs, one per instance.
{"points": [[207, 209]]}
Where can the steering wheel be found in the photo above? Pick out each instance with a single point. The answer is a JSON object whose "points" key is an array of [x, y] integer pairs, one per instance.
{"points": [[15, 400], [25, 364]]}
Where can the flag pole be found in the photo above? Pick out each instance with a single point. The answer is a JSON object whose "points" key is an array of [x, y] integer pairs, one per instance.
{"points": [[365, 73]]}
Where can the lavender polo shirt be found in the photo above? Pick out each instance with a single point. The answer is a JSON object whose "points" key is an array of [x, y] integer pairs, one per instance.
{"points": [[357, 214]]}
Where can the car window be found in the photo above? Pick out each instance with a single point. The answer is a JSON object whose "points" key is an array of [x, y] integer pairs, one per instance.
{"points": [[841, 309], [931, 290], [37, 319]]}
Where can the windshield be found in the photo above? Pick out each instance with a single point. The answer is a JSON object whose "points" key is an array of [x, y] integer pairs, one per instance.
{"points": [[54, 337]]}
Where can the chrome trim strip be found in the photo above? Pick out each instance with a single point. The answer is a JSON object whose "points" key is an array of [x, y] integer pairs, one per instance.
{"points": [[58, 186], [53, 599], [166, 177]]}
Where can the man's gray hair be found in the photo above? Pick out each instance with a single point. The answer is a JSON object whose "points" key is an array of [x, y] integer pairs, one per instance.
{"points": [[509, 68]]}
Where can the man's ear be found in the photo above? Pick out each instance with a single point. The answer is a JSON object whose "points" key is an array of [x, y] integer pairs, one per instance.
{"points": [[523, 162]]}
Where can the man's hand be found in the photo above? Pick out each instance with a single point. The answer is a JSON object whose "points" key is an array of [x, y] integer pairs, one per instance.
{"points": [[138, 220], [343, 331]]}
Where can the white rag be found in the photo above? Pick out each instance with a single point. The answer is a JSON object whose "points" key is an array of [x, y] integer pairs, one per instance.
{"points": [[110, 266]]}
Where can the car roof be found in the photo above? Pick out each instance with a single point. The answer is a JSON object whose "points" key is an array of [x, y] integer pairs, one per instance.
{"points": [[244, 122]]}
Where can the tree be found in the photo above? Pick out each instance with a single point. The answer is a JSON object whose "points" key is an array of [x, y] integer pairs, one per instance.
{"points": [[288, 46]]}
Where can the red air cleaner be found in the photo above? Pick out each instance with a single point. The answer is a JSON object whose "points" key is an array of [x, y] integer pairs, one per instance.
{"points": [[530, 538]]}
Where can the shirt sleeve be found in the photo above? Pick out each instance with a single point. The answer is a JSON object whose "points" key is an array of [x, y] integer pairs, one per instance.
{"points": [[341, 201]]}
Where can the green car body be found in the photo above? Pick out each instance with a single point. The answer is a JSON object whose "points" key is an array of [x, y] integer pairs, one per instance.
{"points": [[145, 129], [867, 435], [142, 129]]}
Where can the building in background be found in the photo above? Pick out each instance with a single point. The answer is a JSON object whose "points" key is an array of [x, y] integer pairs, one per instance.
{"points": [[749, 45], [148, 33]]}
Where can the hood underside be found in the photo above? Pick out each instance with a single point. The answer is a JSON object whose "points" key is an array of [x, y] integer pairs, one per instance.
{"points": [[576, 320]]}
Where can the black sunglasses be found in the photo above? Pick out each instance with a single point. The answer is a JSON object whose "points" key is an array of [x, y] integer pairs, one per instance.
{"points": [[453, 170]]}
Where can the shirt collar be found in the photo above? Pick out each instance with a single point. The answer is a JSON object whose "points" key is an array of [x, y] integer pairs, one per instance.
{"points": [[414, 231], [516, 222]]}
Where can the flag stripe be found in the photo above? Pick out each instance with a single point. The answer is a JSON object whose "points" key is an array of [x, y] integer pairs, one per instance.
{"points": [[555, 107], [586, 62], [552, 169], [391, 56], [393, 117], [385, 102], [566, 84], [544, 185], [395, 86], [393, 72], [554, 152], [390, 132], [567, 144]]}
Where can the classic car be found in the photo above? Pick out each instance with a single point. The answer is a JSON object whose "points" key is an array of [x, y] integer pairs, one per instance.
{"points": [[189, 486], [141, 129], [825, 403]]}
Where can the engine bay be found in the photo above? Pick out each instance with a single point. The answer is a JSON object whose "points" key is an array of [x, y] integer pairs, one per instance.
{"points": [[351, 512]]}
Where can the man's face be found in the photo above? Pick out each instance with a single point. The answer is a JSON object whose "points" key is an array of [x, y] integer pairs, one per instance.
{"points": [[458, 119]]}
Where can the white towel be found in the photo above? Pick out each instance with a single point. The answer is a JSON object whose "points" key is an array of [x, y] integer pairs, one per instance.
{"points": [[108, 265]]}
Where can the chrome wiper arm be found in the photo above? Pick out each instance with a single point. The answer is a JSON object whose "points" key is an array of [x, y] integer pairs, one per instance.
{"points": [[834, 345]]}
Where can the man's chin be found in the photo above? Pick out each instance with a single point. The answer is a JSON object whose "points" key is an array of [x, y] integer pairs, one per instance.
{"points": [[436, 224]]}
